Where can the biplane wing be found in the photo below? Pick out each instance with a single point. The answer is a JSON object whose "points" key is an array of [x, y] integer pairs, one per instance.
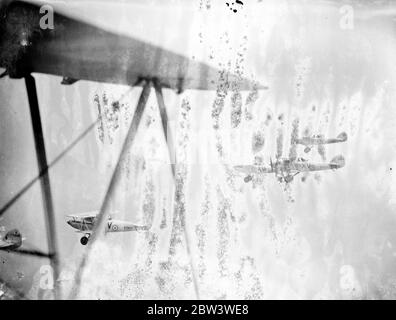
{"points": [[77, 50], [91, 214]]}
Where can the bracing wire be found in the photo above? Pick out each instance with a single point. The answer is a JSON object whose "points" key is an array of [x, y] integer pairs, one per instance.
{"points": [[44, 171], [128, 141]]}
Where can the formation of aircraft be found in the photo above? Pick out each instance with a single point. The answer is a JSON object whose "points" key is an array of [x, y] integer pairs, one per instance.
{"points": [[10, 240], [286, 169], [318, 140], [85, 222]]}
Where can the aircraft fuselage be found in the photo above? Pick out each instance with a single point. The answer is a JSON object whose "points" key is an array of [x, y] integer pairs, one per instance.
{"points": [[86, 225]]}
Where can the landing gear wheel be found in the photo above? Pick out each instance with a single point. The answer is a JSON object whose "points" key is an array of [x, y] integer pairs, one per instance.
{"points": [[84, 240]]}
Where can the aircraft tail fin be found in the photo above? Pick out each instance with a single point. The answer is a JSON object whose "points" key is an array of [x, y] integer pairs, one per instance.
{"points": [[337, 162], [342, 136]]}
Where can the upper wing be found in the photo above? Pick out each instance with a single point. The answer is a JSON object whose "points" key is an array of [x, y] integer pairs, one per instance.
{"points": [[91, 214], [77, 50]]}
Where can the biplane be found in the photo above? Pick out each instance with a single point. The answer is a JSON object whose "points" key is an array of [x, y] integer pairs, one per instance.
{"points": [[85, 223], [319, 140], [286, 169]]}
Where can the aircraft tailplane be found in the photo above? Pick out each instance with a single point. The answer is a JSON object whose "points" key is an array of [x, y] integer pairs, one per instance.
{"points": [[337, 161], [342, 136]]}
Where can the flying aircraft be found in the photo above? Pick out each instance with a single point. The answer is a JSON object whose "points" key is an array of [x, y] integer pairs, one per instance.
{"points": [[10, 240], [319, 140], [286, 169], [85, 222]]}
